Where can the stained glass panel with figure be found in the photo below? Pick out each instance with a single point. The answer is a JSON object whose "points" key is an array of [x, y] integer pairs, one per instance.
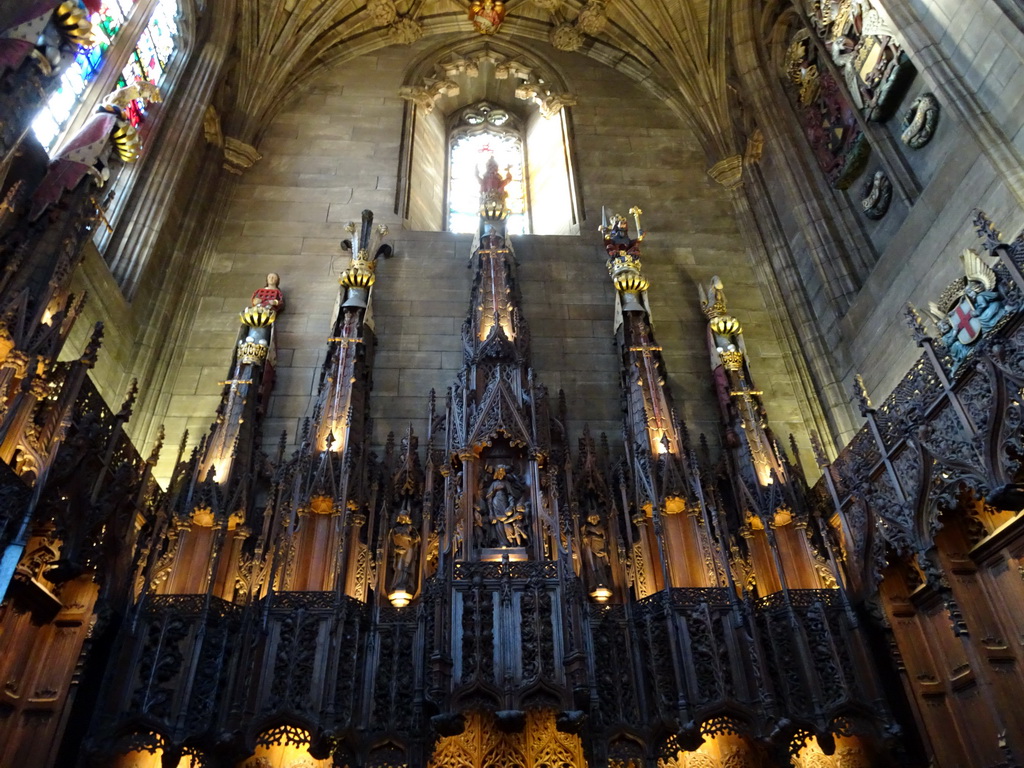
{"points": [[469, 154]]}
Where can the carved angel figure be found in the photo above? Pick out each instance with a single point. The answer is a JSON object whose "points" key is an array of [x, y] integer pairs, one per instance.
{"points": [[88, 152]]}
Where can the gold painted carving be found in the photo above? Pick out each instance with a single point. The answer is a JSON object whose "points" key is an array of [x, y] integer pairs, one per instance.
{"points": [[728, 172], [482, 744], [239, 156]]}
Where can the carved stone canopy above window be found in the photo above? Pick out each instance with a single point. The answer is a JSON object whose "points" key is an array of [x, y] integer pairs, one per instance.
{"points": [[484, 72]]}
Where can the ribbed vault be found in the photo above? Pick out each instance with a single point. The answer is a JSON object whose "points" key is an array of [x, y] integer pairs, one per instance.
{"points": [[676, 48]]}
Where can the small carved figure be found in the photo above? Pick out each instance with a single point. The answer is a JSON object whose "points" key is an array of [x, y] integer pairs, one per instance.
{"points": [[617, 239], [269, 296], [487, 15], [596, 543], [405, 541]]}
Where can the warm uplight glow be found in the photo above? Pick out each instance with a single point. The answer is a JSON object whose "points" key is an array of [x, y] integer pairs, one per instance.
{"points": [[497, 555], [400, 598], [601, 594]]}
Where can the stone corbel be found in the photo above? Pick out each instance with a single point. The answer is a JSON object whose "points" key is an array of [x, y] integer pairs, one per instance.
{"points": [[424, 97], [728, 172], [239, 156], [550, 103]]}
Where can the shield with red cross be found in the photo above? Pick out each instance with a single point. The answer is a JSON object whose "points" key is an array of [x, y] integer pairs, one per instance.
{"points": [[965, 321]]}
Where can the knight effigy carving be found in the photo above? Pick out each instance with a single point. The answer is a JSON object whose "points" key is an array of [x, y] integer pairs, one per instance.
{"points": [[969, 308], [89, 152]]}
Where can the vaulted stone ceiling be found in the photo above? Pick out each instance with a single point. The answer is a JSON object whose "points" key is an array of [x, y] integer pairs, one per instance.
{"points": [[678, 48]]}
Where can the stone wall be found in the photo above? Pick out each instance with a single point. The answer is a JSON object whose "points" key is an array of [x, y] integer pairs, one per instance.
{"points": [[915, 248], [335, 150]]}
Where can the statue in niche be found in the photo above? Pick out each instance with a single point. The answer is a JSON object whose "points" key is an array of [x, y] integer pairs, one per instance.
{"points": [[595, 544], [405, 542], [506, 511], [487, 15], [255, 345]]}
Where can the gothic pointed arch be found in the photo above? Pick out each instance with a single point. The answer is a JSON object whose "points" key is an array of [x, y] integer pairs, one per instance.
{"points": [[502, 77]]}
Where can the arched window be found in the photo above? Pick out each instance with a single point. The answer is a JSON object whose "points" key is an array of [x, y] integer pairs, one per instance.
{"points": [[475, 100], [480, 132]]}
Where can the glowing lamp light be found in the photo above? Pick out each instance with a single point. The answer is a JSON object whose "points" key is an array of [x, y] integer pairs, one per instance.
{"points": [[400, 598], [601, 594]]}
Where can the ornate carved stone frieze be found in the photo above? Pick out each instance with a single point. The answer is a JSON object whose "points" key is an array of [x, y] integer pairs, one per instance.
{"points": [[537, 85]]}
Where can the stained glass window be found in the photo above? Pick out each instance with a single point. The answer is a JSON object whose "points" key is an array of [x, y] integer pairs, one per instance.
{"points": [[152, 53], [469, 154], [56, 113]]}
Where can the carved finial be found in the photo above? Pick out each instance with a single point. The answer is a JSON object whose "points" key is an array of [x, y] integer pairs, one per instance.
{"points": [[129, 400], [154, 455], [819, 450], [986, 230], [182, 446], [916, 324], [92, 349], [860, 394]]}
